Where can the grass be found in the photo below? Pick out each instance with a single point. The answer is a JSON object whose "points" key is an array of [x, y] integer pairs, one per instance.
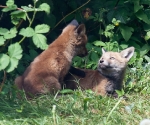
{"points": [[81, 107]]}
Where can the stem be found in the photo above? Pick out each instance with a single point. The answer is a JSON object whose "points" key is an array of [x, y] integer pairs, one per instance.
{"points": [[21, 39], [113, 109], [117, 3], [69, 14], [30, 20], [33, 14], [4, 79], [28, 17], [1, 6], [100, 31]]}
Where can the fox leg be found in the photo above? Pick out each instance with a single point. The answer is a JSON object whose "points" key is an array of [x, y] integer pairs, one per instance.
{"points": [[77, 72], [50, 85], [19, 82]]}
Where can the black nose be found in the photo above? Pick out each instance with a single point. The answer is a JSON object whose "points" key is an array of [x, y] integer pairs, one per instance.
{"points": [[101, 61]]}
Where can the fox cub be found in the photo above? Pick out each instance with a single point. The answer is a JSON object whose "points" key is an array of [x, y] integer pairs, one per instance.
{"points": [[107, 78], [46, 73]]}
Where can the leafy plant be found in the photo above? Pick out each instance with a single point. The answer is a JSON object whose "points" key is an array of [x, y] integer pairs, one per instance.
{"points": [[118, 25], [112, 24], [139, 81], [14, 54]]}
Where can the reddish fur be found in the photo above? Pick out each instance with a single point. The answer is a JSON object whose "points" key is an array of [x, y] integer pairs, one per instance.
{"points": [[93, 80], [104, 80], [46, 73]]}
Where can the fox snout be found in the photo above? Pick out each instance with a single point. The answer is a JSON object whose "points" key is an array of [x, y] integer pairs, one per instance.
{"points": [[103, 64], [101, 61], [82, 52]]}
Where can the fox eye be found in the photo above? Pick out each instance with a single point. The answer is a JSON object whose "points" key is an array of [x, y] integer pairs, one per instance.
{"points": [[112, 58]]}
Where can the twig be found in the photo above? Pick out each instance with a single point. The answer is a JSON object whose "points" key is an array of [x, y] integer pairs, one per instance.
{"points": [[68, 15], [113, 109], [1, 6], [30, 20], [116, 3], [4, 79]]}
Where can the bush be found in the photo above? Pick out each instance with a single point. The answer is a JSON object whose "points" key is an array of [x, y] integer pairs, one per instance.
{"points": [[112, 24]]}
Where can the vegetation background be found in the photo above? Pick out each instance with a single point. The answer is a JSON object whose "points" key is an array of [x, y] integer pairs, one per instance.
{"points": [[26, 29]]}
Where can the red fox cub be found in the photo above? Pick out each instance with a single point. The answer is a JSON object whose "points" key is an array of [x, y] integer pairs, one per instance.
{"points": [[46, 73], [107, 78]]}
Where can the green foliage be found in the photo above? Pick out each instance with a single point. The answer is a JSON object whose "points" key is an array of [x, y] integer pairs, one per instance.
{"points": [[15, 54], [118, 25], [126, 32], [112, 24], [139, 81], [4, 61], [38, 38], [28, 32], [9, 38]]}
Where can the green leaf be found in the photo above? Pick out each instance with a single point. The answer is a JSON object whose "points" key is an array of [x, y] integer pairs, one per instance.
{"points": [[120, 92], [33, 54], [27, 9], [123, 46], [11, 33], [148, 33], [2, 40], [18, 14], [77, 61], [45, 7], [40, 41], [142, 16], [147, 36], [99, 43], [109, 27], [12, 64], [10, 2], [108, 34], [15, 51], [126, 32], [94, 56], [43, 28], [13, 30], [144, 50], [147, 58], [66, 91], [137, 6], [28, 32], [4, 61], [15, 20], [3, 31], [9, 8]]}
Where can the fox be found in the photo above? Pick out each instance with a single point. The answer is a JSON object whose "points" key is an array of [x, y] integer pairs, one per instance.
{"points": [[107, 78], [47, 71]]}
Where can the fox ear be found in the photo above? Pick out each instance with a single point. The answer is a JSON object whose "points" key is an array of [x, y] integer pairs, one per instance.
{"points": [[103, 50], [74, 22], [127, 53], [80, 30]]}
